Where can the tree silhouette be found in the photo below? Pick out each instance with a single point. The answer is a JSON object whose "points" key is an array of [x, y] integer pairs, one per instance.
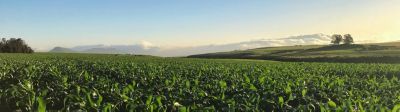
{"points": [[14, 45], [348, 39], [336, 39]]}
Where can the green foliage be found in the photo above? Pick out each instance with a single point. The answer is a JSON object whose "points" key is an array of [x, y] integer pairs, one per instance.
{"points": [[42, 105], [337, 39], [332, 104], [348, 39], [14, 45], [84, 82]]}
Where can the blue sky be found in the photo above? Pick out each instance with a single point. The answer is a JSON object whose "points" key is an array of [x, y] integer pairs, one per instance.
{"points": [[48, 23]]}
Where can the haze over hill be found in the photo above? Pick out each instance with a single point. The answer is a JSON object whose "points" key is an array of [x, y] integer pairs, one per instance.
{"points": [[148, 48]]}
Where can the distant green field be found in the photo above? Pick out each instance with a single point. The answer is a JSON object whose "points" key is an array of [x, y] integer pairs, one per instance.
{"points": [[375, 53], [88, 82]]}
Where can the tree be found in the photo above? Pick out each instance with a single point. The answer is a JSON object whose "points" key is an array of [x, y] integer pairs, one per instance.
{"points": [[14, 45], [348, 39], [336, 39]]}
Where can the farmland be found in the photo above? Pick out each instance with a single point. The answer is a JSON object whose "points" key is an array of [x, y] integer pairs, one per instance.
{"points": [[87, 82], [388, 52]]}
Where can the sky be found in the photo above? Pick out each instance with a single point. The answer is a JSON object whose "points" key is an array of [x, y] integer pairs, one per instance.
{"points": [[44, 24]]}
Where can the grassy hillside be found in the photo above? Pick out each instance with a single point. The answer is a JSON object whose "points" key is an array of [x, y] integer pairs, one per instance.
{"points": [[61, 50], [380, 52]]}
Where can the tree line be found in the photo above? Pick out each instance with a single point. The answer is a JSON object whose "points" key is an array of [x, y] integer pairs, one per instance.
{"points": [[346, 39], [14, 45]]}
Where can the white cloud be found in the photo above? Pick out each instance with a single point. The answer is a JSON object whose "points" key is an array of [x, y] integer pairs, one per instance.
{"points": [[289, 41], [146, 45]]}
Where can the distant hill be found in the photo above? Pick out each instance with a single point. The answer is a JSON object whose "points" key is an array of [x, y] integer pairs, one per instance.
{"points": [[148, 48], [62, 50], [378, 52], [90, 50], [103, 51], [108, 49]]}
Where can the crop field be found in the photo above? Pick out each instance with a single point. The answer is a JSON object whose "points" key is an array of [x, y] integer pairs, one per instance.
{"points": [[355, 53], [87, 82]]}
